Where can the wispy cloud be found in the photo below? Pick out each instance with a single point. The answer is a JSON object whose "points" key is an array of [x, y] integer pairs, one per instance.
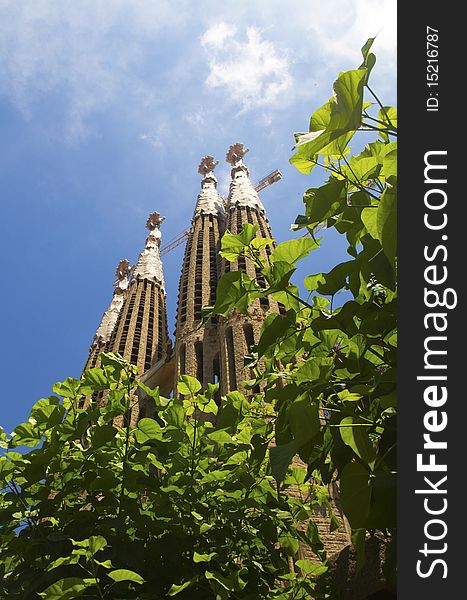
{"points": [[70, 67], [249, 69], [85, 55]]}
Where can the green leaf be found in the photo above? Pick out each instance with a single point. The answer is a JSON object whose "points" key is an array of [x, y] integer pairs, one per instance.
{"points": [[293, 250], [259, 243], [387, 223], [314, 539], [147, 429], [388, 114], [177, 588], [345, 116], [354, 433], [125, 575], [278, 275], [310, 568], [71, 587], [239, 240], [289, 544], [221, 437], [369, 59], [389, 168], [357, 346], [319, 120], [25, 434], [94, 380], [188, 385], [369, 218], [274, 327], [47, 412], [96, 543], [330, 283], [280, 457], [230, 290], [102, 435], [68, 388], [159, 401], [175, 415], [226, 582], [6, 467], [197, 558], [366, 50], [304, 420], [355, 494], [324, 202], [358, 542], [308, 371]]}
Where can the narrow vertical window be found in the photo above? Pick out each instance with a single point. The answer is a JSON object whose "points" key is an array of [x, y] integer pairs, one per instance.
{"points": [[231, 359], [216, 373], [199, 275], [249, 336], [182, 360], [199, 361]]}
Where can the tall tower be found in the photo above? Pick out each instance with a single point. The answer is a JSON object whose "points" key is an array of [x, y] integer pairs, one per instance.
{"points": [[140, 334], [197, 348], [238, 332], [110, 317]]}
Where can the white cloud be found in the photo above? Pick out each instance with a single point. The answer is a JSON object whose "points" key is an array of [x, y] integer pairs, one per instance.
{"points": [[86, 54], [331, 34], [64, 62], [217, 35], [251, 72], [157, 136]]}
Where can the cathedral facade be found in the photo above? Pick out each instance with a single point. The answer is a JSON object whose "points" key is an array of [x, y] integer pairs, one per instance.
{"points": [[135, 323]]}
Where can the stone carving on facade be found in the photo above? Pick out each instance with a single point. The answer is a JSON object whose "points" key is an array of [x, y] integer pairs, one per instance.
{"points": [[235, 154], [208, 201], [122, 271], [207, 165], [242, 191], [110, 316]]}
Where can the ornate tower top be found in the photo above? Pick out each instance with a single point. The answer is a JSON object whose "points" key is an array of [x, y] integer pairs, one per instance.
{"points": [[209, 201], [122, 271], [207, 165], [235, 154], [111, 314], [242, 192], [149, 265]]}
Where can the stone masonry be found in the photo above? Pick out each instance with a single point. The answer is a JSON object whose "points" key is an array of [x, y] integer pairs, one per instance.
{"points": [[196, 346], [135, 324]]}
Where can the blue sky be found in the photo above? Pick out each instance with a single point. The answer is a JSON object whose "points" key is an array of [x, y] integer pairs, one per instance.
{"points": [[107, 106]]}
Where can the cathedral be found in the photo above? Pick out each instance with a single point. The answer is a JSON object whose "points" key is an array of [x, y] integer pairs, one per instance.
{"points": [[135, 323]]}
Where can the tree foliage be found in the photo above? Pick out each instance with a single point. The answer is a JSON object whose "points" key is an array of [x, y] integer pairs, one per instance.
{"points": [[174, 506], [330, 372], [193, 502]]}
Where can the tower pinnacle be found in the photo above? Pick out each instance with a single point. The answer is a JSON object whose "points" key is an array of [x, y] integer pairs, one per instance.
{"points": [[110, 317], [242, 192], [208, 202], [235, 154], [149, 265]]}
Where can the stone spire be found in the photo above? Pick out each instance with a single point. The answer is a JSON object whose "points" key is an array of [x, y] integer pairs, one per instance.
{"points": [[110, 317], [238, 333], [196, 345], [209, 201], [242, 191], [149, 265], [140, 334], [104, 331]]}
